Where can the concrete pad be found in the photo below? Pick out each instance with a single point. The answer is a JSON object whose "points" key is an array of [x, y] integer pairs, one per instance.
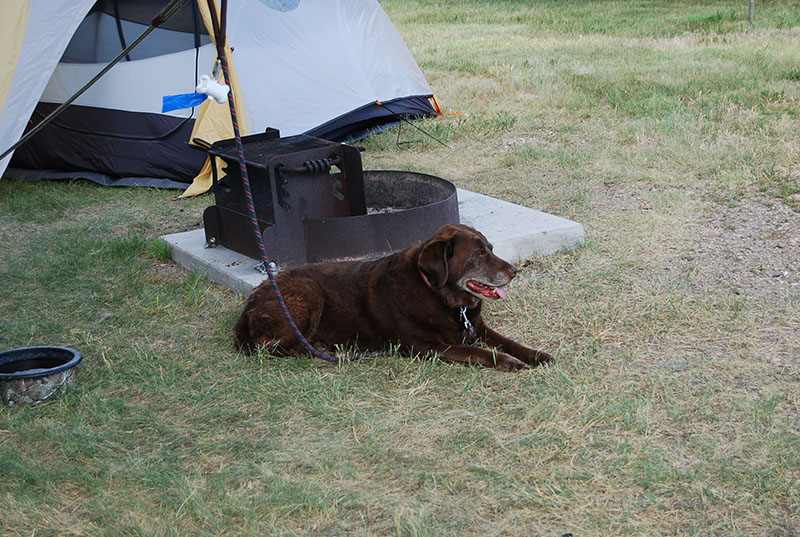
{"points": [[223, 266], [516, 232]]}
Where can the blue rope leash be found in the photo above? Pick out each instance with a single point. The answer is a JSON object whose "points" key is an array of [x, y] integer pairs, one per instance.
{"points": [[260, 240]]}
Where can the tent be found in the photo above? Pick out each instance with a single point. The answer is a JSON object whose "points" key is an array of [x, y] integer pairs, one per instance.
{"points": [[335, 69]]}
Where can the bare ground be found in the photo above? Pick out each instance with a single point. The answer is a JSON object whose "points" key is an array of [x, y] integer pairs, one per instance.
{"points": [[750, 249]]}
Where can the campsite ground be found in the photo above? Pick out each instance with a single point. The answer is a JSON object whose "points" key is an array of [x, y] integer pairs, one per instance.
{"points": [[668, 129]]}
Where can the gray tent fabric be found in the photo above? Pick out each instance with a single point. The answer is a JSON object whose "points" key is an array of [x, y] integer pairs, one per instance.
{"points": [[99, 178]]}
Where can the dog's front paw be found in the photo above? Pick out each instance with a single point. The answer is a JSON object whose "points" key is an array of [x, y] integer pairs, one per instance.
{"points": [[506, 362], [545, 358], [535, 358]]}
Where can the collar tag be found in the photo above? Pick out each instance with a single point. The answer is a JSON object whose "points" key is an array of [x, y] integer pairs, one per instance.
{"points": [[468, 332]]}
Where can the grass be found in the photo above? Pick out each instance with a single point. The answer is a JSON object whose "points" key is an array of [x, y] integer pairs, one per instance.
{"points": [[672, 409]]}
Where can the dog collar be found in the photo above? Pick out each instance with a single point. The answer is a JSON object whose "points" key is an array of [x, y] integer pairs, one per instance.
{"points": [[424, 278], [467, 331]]}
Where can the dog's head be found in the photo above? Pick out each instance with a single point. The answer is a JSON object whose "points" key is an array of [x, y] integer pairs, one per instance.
{"points": [[458, 264]]}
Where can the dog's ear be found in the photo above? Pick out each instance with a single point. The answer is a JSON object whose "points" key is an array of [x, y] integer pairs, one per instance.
{"points": [[433, 258]]}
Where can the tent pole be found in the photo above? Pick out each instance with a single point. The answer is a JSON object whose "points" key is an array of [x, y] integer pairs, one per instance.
{"points": [[159, 19]]}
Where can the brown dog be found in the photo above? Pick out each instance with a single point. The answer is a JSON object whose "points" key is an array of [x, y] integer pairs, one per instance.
{"points": [[426, 298]]}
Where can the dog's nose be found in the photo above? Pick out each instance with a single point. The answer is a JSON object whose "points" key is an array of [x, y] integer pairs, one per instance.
{"points": [[511, 271]]}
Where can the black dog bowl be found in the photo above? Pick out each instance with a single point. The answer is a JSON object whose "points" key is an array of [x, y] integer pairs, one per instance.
{"points": [[34, 374]]}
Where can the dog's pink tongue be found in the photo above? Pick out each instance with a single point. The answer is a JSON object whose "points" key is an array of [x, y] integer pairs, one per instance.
{"points": [[501, 292]]}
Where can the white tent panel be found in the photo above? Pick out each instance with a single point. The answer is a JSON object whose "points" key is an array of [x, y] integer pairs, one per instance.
{"points": [[136, 86], [50, 26], [302, 67]]}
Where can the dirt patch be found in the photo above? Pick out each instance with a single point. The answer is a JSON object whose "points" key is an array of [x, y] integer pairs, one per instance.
{"points": [[539, 138], [751, 249]]}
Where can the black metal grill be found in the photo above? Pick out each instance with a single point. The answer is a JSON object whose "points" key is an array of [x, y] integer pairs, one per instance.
{"points": [[312, 198]]}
